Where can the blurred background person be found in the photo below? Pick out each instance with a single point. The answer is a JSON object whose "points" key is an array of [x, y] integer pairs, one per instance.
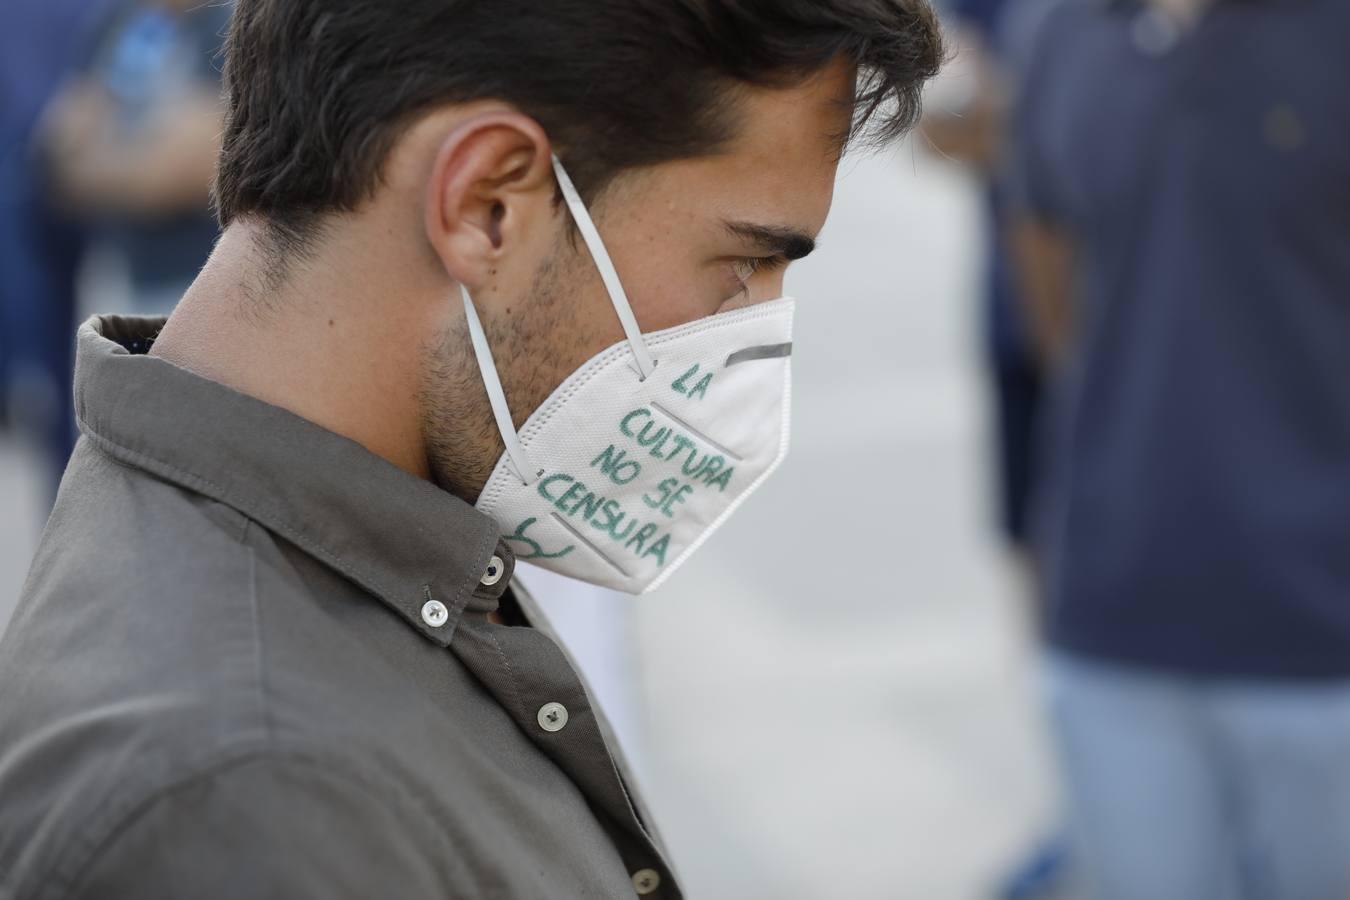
{"points": [[109, 128], [965, 121], [39, 249], [130, 146], [966, 117], [1184, 172]]}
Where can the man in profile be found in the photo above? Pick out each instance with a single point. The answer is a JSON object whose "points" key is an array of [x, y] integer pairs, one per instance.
{"points": [[268, 646]]}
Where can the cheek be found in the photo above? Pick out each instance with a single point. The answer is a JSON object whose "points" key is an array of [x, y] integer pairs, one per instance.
{"points": [[667, 283], [681, 293], [676, 302], [740, 301], [770, 286]]}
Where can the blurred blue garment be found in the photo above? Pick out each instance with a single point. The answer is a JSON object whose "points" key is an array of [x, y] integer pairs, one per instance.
{"points": [[1009, 350], [1007, 331], [985, 17], [1197, 550], [1199, 510], [1251, 779], [1044, 875], [39, 43]]}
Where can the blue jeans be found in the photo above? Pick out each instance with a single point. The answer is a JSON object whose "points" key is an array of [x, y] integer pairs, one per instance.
{"points": [[1189, 789]]}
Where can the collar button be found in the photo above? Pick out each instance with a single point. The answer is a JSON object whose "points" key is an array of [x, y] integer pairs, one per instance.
{"points": [[434, 613], [496, 568], [552, 717]]}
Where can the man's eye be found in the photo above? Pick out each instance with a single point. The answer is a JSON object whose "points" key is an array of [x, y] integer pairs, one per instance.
{"points": [[748, 266]]}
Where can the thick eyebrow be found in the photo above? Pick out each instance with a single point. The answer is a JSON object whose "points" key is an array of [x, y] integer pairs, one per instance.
{"points": [[775, 240]]}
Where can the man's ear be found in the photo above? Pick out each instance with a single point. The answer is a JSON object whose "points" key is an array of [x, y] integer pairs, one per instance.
{"points": [[492, 182]]}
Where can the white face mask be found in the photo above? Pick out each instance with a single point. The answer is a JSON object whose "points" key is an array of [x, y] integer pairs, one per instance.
{"points": [[643, 452]]}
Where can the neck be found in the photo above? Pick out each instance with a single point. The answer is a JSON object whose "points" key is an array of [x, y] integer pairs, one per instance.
{"points": [[335, 343]]}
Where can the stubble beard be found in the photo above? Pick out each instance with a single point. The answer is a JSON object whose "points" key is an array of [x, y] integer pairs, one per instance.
{"points": [[535, 346]]}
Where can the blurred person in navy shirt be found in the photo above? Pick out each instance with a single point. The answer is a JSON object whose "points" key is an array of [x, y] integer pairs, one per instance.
{"points": [[1184, 193], [131, 143]]}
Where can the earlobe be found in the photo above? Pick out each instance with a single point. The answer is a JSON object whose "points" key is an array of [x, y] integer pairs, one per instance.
{"points": [[485, 186]]}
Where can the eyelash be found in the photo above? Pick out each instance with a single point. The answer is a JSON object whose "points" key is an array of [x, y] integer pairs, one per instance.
{"points": [[749, 266]]}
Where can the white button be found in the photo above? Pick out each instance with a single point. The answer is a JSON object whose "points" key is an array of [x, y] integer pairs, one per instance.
{"points": [[552, 717], [495, 570], [434, 613], [645, 881]]}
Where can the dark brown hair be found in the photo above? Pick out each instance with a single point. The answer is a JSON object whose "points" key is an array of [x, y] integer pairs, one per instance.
{"points": [[319, 90]]}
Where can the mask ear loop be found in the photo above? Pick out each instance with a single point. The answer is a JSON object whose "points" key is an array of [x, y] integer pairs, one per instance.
{"points": [[515, 451], [646, 365], [496, 396]]}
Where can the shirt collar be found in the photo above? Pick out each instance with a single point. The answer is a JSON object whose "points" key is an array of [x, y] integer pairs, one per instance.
{"points": [[421, 550]]}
